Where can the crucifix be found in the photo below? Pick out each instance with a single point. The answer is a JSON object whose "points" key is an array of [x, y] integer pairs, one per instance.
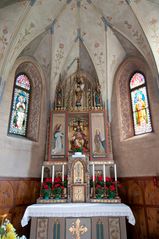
{"points": [[77, 230]]}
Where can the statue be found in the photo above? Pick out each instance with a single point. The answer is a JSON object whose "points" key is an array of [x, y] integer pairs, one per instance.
{"points": [[59, 97], [98, 100], [79, 90]]}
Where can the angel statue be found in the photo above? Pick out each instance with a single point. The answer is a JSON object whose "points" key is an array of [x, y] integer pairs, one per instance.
{"points": [[58, 140]]}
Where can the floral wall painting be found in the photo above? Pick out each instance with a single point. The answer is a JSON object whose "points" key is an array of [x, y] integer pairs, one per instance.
{"points": [[98, 135], [58, 135]]}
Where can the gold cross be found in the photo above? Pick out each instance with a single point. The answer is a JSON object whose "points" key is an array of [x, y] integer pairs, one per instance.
{"points": [[77, 230]]}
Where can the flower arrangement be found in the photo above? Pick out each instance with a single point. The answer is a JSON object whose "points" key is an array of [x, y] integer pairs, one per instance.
{"points": [[77, 149], [46, 188], [105, 189], [7, 231], [58, 188], [53, 189]]}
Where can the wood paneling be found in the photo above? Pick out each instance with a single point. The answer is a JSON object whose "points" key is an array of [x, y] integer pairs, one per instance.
{"points": [[142, 195], [15, 195]]}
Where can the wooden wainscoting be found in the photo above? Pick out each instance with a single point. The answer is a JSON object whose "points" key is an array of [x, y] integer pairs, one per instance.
{"points": [[15, 195], [142, 195]]}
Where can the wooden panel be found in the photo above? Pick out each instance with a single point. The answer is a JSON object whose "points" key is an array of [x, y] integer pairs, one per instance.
{"points": [[153, 222], [142, 194], [6, 194], [15, 195], [134, 193], [151, 193]]}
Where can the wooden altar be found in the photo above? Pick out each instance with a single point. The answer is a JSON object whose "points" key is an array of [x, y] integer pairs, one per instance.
{"points": [[79, 165]]}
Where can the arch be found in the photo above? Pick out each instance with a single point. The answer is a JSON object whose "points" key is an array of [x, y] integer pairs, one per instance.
{"points": [[20, 105], [122, 79], [140, 104], [28, 66]]}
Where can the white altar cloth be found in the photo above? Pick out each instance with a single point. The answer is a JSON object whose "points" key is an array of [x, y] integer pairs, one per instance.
{"points": [[77, 210]]}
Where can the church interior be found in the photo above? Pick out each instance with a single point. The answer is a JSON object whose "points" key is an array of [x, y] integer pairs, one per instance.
{"points": [[79, 83]]}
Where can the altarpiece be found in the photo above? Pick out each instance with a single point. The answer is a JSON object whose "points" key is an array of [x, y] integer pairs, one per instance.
{"points": [[79, 161]]}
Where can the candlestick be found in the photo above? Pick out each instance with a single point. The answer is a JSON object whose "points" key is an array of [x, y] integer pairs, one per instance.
{"points": [[115, 172], [42, 174], [53, 173], [104, 172], [93, 173], [63, 173]]}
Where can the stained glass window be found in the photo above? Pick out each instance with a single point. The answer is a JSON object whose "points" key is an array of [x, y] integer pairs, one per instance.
{"points": [[20, 105], [140, 106]]}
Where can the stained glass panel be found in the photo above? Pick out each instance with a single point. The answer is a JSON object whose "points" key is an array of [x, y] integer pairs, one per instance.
{"points": [[23, 81], [141, 114], [137, 80], [19, 112]]}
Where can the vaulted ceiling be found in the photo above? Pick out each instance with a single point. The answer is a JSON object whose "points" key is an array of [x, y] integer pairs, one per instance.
{"points": [[53, 31]]}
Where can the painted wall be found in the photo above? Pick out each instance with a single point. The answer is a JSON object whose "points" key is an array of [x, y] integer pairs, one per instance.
{"points": [[20, 156]]}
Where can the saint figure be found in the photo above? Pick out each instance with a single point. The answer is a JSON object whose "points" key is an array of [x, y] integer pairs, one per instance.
{"points": [[58, 140]]}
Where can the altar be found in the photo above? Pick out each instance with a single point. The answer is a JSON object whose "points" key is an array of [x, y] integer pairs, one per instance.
{"points": [[78, 220], [79, 194]]}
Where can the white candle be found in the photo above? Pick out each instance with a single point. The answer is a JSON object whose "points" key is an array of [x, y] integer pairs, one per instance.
{"points": [[53, 173], [42, 174], [104, 172], [93, 173], [115, 172], [63, 170]]}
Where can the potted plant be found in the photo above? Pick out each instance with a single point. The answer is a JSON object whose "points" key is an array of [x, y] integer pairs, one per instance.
{"points": [[46, 188], [7, 230], [58, 187]]}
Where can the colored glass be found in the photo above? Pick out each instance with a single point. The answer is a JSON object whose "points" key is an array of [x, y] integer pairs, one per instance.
{"points": [[137, 80], [141, 113], [23, 81]]}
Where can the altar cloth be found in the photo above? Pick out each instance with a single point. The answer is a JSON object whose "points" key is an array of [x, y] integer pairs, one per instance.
{"points": [[78, 210]]}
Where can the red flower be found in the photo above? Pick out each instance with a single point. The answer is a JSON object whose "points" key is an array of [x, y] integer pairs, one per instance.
{"points": [[108, 179], [100, 178], [57, 180], [112, 188], [45, 186], [48, 180]]}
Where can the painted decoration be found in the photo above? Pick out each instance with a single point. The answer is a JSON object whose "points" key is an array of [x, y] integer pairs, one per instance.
{"points": [[19, 112], [58, 135], [141, 114], [98, 134]]}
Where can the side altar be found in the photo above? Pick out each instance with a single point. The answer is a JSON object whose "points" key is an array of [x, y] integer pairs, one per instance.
{"points": [[79, 176]]}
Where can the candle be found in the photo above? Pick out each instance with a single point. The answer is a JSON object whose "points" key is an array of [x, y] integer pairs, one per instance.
{"points": [[53, 173], [93, 174], [104, 172], [115, 172], [63, 173], [42, 174]]}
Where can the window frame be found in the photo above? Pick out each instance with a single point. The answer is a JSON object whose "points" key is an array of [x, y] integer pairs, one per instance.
{"points": [[11, 107], [148, 104]]}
